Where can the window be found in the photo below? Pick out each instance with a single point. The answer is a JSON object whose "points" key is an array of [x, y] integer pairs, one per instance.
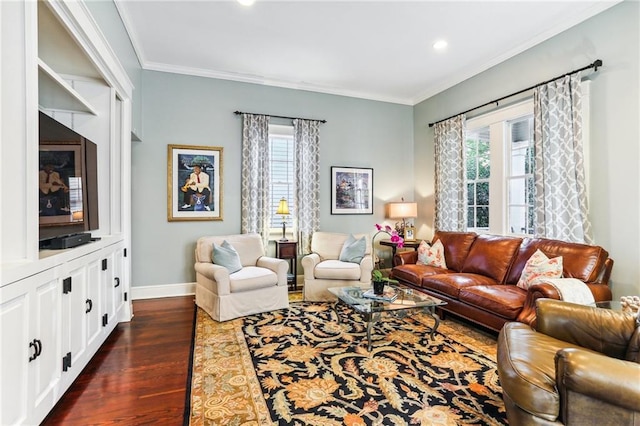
{"points": [[499, 171], [281, 146]]}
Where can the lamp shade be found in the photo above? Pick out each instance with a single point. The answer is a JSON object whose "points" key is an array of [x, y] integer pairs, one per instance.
{"points": [[402, 210], [283, 207]]}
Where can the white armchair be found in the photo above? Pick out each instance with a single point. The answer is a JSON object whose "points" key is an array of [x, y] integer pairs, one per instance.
{"points": [[323, 269], [260, 286]]}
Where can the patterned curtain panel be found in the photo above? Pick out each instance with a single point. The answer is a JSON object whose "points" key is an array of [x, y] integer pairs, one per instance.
{"points": [[560, 190], [256, 212], [306, 135], [451, 212]]}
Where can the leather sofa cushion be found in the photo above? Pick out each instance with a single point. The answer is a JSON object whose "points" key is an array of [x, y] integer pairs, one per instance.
{"points": [[581, 261], [452, 283], [492, 255], [503, 300], [456, 247], [414, 273]]}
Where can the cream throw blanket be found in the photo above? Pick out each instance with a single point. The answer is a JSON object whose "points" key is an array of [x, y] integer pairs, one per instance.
{"points": [[572, 290]]}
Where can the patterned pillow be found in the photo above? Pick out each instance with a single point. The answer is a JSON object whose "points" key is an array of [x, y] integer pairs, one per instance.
{"points": [[431, 255], [539, 266]]}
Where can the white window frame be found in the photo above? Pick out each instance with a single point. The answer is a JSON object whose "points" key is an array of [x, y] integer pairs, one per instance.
{"points": [[497, 121], [285, 131]]}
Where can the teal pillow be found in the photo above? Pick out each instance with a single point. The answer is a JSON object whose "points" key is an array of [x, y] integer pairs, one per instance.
{"points": [[353, 250], [225, 255]]}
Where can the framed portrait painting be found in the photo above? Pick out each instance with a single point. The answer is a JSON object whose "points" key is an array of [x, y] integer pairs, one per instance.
{"points": [[351, 190], [60, 188], [194, 184]]}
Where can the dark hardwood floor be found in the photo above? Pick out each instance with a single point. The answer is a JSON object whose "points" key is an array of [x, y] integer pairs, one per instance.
{"points": [[139, 375]]}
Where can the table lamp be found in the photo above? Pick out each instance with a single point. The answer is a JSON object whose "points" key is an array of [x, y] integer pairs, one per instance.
{"points": [[402, 210], [283, 209]]}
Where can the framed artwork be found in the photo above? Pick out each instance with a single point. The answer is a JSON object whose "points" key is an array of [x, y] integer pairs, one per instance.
{"points": [[194, 182], [60, 189], [351, 190], [409, 233]]}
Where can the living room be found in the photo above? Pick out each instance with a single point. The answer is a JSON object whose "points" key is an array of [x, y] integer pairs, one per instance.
{"points": [[393, 139]]}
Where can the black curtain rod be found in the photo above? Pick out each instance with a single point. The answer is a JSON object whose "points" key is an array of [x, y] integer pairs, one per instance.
{"points": [[595, 65], [280, 116]]}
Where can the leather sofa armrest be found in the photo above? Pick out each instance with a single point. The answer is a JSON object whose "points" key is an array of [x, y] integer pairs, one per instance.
{"points": [[279, 266], [216, 273], [601, 330], [537, 291], [405, 258], [596, 376], [309, 263]]}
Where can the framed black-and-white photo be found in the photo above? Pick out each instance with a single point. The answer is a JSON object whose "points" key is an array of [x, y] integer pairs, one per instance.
{"points": [[351, 190], [194, 187], [409, 233]]}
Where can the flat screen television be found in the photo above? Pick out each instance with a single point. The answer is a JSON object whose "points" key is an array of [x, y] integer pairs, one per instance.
{"points": [[67, 182]]}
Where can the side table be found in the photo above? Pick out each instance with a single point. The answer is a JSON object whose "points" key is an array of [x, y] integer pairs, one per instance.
{"points": [[288, 250], [394, 246]]}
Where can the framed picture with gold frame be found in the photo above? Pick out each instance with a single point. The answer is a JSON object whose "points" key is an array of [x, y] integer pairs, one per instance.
{"points": [[409, 233], [194, 182]]}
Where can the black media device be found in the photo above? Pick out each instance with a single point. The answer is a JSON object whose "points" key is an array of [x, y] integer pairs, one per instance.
{"points": [[66, 241]]}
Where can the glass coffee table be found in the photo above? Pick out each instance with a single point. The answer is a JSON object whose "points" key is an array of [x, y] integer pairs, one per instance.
{"points": [[407, 300]]}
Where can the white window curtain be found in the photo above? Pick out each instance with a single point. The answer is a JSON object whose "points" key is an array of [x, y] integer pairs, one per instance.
{"points": [[256, 211], [450, 210], [306, 135], [560, 190]]}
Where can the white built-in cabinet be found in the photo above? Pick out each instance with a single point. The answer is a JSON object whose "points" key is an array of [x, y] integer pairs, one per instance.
{"points": [[57, 307]]}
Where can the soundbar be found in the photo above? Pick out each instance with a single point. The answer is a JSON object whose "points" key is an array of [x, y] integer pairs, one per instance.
{"points": [[66, 241]]}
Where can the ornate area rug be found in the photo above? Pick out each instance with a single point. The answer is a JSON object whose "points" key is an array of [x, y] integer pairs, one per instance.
{"points": [[302, 367]]}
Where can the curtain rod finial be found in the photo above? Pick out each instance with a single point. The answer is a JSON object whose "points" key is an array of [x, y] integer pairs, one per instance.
{"points": [[597, 64]]}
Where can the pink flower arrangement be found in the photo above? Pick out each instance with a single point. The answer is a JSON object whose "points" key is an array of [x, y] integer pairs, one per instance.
{"points": [[395, 238]]}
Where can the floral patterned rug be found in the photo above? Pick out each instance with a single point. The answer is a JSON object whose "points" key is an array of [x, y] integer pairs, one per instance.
{"points": [[302, 366]]}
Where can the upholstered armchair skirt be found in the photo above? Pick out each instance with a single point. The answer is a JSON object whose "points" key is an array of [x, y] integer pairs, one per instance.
{"points": [[324, 269], [260, 286]]}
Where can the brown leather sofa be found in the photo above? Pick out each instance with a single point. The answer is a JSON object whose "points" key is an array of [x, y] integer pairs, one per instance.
{"points": [[483, 270], [581, 367]]}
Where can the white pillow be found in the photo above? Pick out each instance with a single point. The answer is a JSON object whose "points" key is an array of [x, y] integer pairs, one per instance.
{"points": [[431, 255], [539, 266]]}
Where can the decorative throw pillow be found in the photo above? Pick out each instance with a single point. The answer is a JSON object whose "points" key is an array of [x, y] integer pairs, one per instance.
{"points": [[539, 266], [225, 255], [353, 250], [431, 255]]}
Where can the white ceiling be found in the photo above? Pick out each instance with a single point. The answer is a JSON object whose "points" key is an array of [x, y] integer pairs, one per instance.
{"points": [[379, 50]]}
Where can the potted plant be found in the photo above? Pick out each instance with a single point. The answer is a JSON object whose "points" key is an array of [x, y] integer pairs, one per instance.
{"points": [[379, 281]]}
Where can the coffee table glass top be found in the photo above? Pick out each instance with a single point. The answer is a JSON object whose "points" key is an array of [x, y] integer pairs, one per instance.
{"points": [[407, 299]]}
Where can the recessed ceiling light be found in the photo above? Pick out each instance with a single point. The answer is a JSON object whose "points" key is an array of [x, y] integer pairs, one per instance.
{"points": [[246, 2], [440, 44]]}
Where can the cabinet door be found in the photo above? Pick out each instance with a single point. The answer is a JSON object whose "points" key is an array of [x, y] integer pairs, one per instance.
{"points": [[73, 328], [93, 303], [16, 350], [119, 280], [107, 286], [46, 369]]}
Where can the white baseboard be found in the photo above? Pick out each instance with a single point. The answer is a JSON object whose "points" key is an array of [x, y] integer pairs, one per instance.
{"points": [[167, 290]]}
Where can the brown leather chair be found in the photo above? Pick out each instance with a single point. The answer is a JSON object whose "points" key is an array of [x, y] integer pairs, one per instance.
{"points": [[580, 367]]}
